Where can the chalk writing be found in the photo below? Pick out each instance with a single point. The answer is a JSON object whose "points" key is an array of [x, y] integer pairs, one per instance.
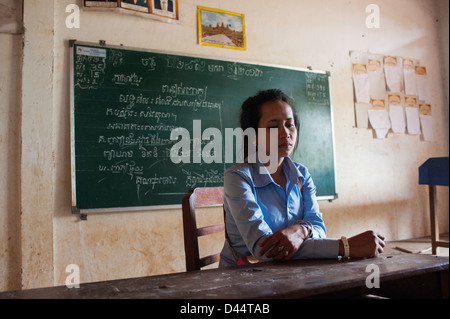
{"points": [[131, 140], [192, 65], [140, 127], [115, 58], [126, 168], [149, 153], [112, 154], [216, 68], [156, 180], [148, 113], [136, 100], [179, 89], [317, 88], [235, 70], [89, 72], [203, 178], [195, 104], [232, 70], [123, 79], [150, 63], [121, 113], [131, 99]]}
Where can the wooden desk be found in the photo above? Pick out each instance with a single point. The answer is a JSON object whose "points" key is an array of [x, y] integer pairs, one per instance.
{"points": [[401, 276]]}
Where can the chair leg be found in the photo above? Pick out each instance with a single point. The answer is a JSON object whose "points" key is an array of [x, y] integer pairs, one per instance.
{"points": [[433, 219]]}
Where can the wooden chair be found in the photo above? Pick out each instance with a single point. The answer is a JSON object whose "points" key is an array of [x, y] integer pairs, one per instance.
{"points": [[199, 197]]}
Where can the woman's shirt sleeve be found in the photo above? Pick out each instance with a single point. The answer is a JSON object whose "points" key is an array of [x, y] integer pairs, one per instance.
{"points": [[311, 210], [240, 202]]}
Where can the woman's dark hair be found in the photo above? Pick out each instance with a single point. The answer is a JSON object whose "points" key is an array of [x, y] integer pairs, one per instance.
{"points": [[251, 112]]}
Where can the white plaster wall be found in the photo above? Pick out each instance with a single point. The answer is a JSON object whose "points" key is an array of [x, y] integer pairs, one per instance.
{"points": [[442, 24], [37, 161], [10, 111], [376, 179]]}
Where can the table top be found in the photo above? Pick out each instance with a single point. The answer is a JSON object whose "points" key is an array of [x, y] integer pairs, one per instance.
{"points": [[293, 279]]}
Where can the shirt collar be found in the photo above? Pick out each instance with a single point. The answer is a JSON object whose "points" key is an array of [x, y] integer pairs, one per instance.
{"points": [[263, 179]]}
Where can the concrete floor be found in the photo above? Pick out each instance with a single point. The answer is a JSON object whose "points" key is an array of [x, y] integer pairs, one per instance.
{"points": [[416, 246]]}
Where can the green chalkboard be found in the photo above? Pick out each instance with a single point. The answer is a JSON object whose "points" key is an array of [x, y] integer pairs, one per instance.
{"points": [[126, 102]]}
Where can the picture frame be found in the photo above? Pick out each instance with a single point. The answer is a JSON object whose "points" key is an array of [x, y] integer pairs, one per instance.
{"points": [[101, 3], [165, 9], [136, 5], [220, 28], [161, 10]]}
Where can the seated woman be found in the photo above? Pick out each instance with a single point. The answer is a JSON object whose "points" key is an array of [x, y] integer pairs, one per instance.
{"points": [[274, 215]]}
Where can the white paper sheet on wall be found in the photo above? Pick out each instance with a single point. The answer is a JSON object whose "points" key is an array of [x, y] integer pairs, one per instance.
{"points": [[409, 77], [397, 116], [362, 116], [426, 122], [376, 77], [397, 77], [361, 83], [422, 83], [412, 115], [381, 132], [379, 118], [394, 74], [396, 113]]}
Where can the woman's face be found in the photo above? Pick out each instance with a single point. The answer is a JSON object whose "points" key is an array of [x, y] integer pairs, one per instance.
{"points": [[278, 114]]}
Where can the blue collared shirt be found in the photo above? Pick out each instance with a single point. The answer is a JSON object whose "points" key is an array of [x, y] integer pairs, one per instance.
{"points": [[257, 207]]}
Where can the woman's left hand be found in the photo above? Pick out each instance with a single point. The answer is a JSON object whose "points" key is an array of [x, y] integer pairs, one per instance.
{"points": [[283, 244]]}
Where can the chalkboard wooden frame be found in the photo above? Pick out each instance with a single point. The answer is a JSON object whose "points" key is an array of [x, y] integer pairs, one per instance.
{"points": [[75, 209]]}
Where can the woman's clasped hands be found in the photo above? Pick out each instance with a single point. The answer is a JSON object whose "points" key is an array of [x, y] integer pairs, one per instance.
{"points": [[283, 244]]}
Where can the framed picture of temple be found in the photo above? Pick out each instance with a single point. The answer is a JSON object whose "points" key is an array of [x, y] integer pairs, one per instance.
{"points": [[221, 28]]}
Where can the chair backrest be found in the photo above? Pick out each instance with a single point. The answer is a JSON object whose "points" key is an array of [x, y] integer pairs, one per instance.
{"points": [[199, 197]]}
